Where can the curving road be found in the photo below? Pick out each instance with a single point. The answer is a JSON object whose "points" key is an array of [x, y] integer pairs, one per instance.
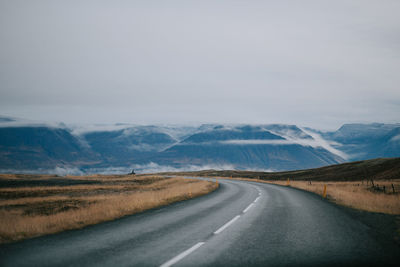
{"points": [[241, 224]]}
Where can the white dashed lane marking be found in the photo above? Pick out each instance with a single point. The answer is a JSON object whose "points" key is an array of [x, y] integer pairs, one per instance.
{"points": [[222, 228], [248, 207], [198, 245], [182, 255]]}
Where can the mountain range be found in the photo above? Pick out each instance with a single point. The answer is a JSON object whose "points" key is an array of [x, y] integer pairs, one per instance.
{"points": [[77, 149]]}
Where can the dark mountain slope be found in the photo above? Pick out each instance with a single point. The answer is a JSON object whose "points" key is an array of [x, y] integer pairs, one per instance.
{"points": [[41, 147], [276, 157], [238, 133], [244, 148], [127, 146], [387, 146], [367, 141]]}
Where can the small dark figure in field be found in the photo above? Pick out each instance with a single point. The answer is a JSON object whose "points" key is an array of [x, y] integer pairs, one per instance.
{"points": [[132, 172]]}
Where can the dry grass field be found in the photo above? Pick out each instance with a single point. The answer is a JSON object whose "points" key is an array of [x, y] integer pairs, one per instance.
{"points": [[33, 205], [355, 194]]}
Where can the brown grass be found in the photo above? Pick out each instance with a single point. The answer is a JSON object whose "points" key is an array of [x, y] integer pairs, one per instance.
{"points": [[346, 183], [354, 194], [37, 210]]}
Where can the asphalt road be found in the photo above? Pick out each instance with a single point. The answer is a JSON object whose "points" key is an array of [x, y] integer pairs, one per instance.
{"points": [[240, 224]]}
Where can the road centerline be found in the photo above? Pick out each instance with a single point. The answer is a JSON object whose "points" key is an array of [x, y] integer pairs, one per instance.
{"points": [[222, 228], [248, 207], [182, 255]]}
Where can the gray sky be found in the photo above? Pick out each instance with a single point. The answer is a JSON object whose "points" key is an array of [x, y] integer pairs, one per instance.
{"points": [[312, 63]]}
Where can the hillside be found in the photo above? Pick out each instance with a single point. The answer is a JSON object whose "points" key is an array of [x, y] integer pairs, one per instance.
{"points": [[376, 169], [247, 147], [367, 141], [127, 146], [42, 147]]}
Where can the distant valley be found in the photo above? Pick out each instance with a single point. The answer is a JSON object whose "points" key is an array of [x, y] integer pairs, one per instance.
{"points": [[78, 149]]}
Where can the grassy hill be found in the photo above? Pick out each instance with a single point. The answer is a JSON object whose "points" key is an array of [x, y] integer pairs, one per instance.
{"points": [[376, 169]]}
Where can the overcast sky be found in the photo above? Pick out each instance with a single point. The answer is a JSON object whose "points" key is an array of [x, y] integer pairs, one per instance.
{"points": [[311, 63]]}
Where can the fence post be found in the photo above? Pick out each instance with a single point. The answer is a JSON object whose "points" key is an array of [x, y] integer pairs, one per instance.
{"points": [[324, 193], [393, 189], [288, 182]]}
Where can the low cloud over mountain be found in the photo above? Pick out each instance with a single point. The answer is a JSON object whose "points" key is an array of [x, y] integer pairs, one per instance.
{"points": [[37, 147]]}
